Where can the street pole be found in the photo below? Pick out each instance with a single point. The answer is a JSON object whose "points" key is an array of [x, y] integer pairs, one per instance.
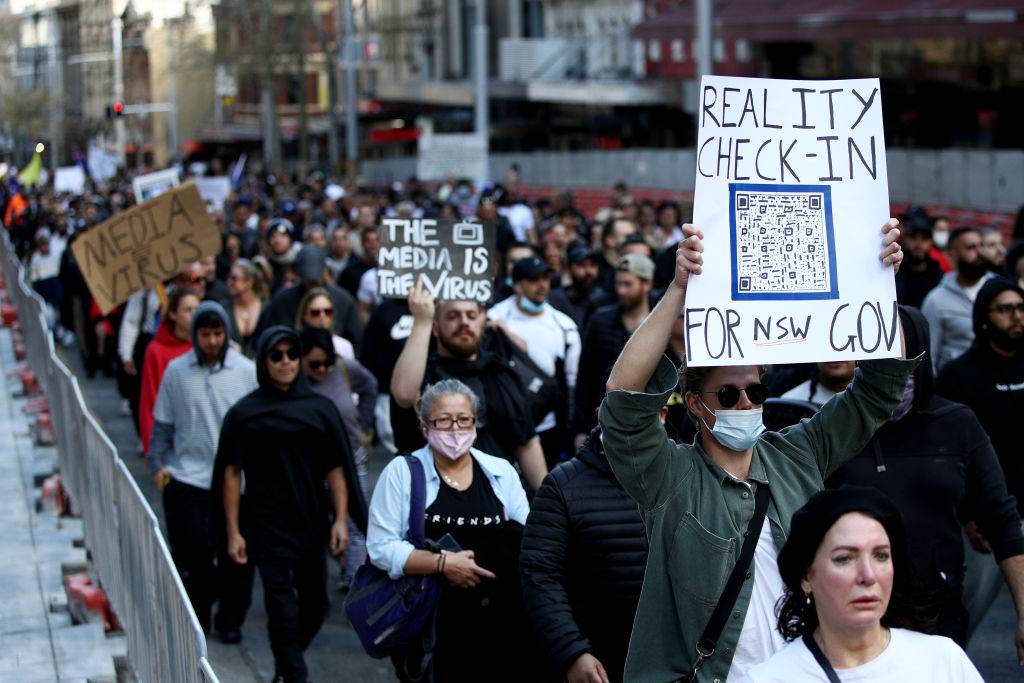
{"points": [[351, 96], [333, 148], [705, 40], [56, 92], [482, 111], [120, 136], [268, 103], [172, 127]]}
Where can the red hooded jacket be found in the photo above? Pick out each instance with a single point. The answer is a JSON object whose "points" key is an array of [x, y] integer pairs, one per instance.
{"points": [[164, 348]]}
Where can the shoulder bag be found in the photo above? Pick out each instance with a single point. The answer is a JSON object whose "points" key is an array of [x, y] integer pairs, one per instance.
{"points": [[709, 639]]}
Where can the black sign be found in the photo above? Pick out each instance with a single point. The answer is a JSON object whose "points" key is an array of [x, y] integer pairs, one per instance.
{"points": [[454, 258]]}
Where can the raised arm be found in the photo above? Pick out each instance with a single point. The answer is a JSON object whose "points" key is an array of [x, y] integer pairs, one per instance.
{"points": [[645, 347], [407, 377]]}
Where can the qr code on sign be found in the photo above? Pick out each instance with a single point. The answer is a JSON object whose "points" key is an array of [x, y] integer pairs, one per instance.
{"points": [[782, 242]]}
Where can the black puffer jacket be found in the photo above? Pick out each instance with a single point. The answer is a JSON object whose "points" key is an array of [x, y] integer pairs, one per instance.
{"points": [[582, 562]]}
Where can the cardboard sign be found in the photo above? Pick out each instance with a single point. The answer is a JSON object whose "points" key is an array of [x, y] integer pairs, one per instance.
{"points": [[214, 190], [150, 185], [145, 245], [69, 179], [791, 195], [453, 257]]}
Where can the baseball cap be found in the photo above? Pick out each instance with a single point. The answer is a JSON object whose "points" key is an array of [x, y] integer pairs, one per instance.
{"points": [[916, 226], [529, 268], [638, 264], [580, 253], [310, 263]]}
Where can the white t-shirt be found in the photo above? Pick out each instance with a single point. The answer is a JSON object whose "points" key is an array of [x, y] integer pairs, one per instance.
{"points": [[549, 337], [367, 292], [520, 218], [910, 657], [43, 266], [760, 637], [801, 392]]}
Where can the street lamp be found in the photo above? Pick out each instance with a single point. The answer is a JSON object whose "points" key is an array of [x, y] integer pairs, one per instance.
{"points": [[40, 147]]}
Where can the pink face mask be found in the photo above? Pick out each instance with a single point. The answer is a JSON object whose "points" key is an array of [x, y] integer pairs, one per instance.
{"points": [[451, 445]]}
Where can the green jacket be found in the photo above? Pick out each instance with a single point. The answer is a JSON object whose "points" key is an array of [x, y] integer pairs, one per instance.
{"points": [[695, 513]]}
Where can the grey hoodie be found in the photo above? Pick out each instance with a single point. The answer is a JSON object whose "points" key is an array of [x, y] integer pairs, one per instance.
{"points": [[209, 307], [949, 311]]}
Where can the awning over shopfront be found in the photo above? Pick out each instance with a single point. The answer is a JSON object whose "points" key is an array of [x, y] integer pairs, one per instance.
{"points": [[842, 20]]}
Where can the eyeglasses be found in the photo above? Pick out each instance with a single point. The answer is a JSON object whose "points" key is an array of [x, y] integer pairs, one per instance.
{"points": [[446, 422], [316, 365], [320, 312], [728, 395], [1008, 309], [277, 355]]}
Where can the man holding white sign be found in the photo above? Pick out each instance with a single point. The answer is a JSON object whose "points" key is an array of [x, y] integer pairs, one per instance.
{"points": [[718, 511]]}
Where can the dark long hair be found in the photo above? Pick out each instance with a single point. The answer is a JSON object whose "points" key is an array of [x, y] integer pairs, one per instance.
{"points": [[798, 616]]}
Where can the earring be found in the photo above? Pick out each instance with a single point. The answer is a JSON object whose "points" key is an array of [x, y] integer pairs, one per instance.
{"points": [[808, 598]]}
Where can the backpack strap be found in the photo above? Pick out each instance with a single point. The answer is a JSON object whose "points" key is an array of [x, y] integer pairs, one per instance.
{"points": [[417, 503]]}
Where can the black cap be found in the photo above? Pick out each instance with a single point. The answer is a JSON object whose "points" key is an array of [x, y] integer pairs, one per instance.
{"points": [[529, 268], [580, 253], [917, 226], [310, 263]]}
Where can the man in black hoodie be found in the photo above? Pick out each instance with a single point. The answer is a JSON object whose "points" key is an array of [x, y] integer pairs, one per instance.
{"points": [[989, 377], [935, 461], [290, 444]]}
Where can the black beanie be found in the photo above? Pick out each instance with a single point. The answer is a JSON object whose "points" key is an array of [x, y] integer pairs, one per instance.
{"points": [[811, 522]]}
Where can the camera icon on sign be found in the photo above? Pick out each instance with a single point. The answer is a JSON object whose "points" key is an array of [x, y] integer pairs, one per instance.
{"points": [[468, 234]]}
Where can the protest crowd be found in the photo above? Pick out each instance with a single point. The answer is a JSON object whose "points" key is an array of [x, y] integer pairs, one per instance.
{"points": [[549, 454]]}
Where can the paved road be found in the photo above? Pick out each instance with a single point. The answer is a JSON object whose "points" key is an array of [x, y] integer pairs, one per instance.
{"points": [[336, 649]]}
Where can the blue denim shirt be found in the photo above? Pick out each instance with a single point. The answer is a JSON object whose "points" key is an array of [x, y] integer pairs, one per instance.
{"points": [[389, 507]]}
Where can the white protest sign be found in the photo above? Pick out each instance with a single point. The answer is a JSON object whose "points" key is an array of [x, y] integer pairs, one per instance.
{"points": [[791, 196], [454, 258], [214, 190], [148, 186], [459, 155], [69, 179]]}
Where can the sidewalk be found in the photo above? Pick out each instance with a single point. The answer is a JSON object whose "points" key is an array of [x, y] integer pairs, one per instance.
{"points": [[37, 643]]}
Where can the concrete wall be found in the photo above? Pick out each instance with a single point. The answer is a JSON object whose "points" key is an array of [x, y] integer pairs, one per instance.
{"points": [[981, 180]]}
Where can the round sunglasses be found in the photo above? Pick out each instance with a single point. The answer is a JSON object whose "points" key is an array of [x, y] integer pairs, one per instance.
{"points": [[729, 395], [277, 355]]}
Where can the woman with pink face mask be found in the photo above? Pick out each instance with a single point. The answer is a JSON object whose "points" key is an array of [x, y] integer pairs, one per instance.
{"points": [[475, 507]]}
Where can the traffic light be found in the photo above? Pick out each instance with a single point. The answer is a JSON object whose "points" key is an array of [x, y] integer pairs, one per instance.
{"points": [[115, 110]]}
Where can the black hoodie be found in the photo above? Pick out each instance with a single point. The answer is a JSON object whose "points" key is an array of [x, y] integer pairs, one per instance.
{"points": [[938, 465], [993, 386], [284, 443]]}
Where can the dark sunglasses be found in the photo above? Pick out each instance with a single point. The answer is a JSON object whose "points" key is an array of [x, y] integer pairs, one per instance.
{"points": [[728, 395], [277, 355], [318, 312], [315, 365]]}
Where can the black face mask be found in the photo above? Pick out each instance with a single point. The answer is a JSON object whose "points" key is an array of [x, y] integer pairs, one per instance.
{"points": [[972, 271]]}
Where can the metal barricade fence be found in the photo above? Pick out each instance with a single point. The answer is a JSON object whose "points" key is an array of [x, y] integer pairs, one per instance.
{"points": [[122, 533]]}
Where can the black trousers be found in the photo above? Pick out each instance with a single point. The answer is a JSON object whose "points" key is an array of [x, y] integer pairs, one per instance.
{"points": [[295, 594], [187, 512]]}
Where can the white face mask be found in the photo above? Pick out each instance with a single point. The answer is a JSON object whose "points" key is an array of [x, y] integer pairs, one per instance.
{"points": [[940, 239], [736, 429]]}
